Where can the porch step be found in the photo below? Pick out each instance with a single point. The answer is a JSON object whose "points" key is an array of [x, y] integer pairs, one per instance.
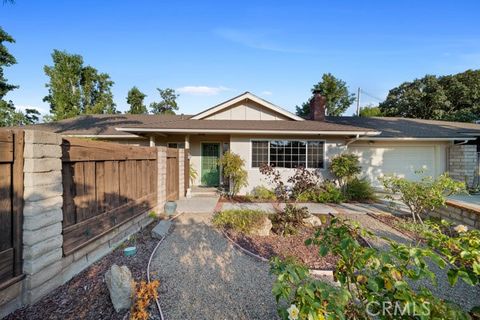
{"points": [[204, 192]]}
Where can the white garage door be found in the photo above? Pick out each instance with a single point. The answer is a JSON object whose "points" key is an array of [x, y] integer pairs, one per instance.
{"points": [[402, 161]]}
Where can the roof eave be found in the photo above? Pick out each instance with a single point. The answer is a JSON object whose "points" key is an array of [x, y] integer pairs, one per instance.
{"points": [[417, 138], [242, 131]]}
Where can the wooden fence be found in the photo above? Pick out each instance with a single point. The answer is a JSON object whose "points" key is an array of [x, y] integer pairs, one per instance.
{"points": [[11, 205], [104, 185], [172, 183]]}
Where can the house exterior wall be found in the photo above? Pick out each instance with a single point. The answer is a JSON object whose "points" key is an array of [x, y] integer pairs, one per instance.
{"points": [[246, 110], [241, 145]]}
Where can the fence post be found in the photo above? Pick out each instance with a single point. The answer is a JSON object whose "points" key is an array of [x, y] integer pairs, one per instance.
{"points": [[181, 173], [162, 178], [42, 225]]}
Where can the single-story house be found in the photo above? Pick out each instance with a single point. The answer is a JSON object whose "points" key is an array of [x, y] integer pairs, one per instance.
{"points": [[261, 132]]}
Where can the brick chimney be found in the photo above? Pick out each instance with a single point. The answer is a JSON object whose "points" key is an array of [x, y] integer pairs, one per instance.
{"points": [[317, 106]]}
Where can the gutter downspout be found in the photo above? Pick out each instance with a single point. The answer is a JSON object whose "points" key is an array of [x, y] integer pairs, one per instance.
{"points": [[463, 142], [352, 140]]}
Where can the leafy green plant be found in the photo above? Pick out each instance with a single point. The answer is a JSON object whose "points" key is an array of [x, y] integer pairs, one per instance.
{"points": [[422, 196], [460, 246], [233, 169], [262, 193], [152, 214], [239, 220], [345, 167], [368, 279], [314, 299], [360, 190], [193, 174], [327, 193]]}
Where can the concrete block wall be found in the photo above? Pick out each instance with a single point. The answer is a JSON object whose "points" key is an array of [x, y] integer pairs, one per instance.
{"points": [[42, 227], [181, 173], [458, 213], [462, 163], [44, 265]]}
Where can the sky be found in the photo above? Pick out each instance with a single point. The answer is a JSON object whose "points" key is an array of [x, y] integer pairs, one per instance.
{"points": [[210, 51]]}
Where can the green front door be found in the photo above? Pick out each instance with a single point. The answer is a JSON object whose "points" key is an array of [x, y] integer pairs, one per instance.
{"points": [[210, 168]]}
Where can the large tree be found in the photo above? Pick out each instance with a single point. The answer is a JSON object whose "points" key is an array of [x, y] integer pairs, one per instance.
{"points": [[335, 90], [75, 89], [167, 104], [370, 111], [9, 115], [452, 97], [135, 100]]}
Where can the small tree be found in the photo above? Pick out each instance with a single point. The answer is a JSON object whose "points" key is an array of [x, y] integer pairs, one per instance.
{"points": [[233, 169], [422, 196], [345, 167]]}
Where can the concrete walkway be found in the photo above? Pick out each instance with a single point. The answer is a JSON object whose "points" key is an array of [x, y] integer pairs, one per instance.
{"points": [[202, 276], [197, 205]]}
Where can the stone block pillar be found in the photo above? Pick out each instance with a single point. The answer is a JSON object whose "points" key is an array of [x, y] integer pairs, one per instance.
{"points": [[42, 226], [162, 178], [462, 163], [181, 173]]}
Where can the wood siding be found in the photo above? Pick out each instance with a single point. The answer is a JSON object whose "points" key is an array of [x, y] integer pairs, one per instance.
{"points": [[11, 205]]}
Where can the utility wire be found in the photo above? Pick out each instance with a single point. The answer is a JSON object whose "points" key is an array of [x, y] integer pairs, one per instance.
{"points": [[370, 95]]}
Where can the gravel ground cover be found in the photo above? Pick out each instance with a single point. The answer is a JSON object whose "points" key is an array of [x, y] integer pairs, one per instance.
{"points": [[202, 276], [86, 296], [462, 294], [286, 247]]}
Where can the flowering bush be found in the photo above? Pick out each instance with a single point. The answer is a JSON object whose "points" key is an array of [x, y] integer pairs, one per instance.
{"points": [[369, 280]]}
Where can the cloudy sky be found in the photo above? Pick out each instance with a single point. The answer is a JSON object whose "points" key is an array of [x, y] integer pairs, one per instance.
{"points": [[210, 51]]}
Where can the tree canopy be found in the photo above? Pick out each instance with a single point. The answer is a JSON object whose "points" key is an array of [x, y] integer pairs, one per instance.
{"points": [[370, 111], [9, 115], [167, 104], [135, 100], [452, 97], [75, 89], [335, 90]]}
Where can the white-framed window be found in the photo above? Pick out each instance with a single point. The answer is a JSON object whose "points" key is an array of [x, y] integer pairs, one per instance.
{"points": [[288, 153]]}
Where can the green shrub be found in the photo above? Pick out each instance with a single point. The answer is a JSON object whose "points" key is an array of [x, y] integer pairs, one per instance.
{"points": [[330, 194], [233, 170], [422, 196], [360, 190], [327, 193], [263, 193], [239, 220], [345, 167], [367, 278]]}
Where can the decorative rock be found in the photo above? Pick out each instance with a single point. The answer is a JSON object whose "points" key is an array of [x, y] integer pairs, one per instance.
{"points": [[161, 229], [263, 229], [119, 282], [313, 221]]}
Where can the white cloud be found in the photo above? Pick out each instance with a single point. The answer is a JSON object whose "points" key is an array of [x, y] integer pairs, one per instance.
{"points": [[22, 107], [267, 93], [202, 90]]}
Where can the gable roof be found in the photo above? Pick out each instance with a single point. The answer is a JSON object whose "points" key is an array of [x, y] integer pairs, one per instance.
{"points": [[246, 96]]}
